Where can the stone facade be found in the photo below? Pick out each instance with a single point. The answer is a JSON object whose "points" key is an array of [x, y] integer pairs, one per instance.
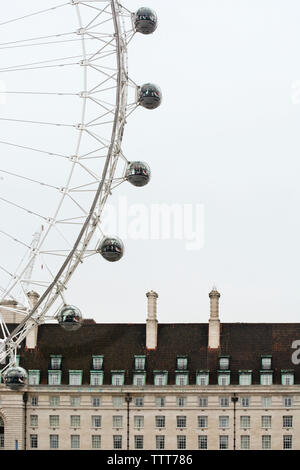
{"points": [[183, 387]]}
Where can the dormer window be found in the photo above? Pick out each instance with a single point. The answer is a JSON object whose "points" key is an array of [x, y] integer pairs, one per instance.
{"points": [[139, 362], [160, 378], [245, 377], [55, 362], [224, 378], [266, 362], [202, 377], [266, 378], [117, 377], [33, 377], [182, 378], [96, 377], [182, 362], [97, 362], [287, 377], [224, 362], [139, 379]]}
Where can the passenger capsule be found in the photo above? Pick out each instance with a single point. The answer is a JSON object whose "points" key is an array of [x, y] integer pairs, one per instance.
{"points": [[138, 173], [112, 249], [15, 377], [145, 20], [70, 318], [149, 96]]}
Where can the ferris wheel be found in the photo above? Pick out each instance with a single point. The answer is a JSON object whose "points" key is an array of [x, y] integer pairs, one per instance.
{"points": [[65, 97]]}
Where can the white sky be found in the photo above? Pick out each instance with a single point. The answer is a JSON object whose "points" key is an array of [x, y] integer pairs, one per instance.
{"points": [[227, 137]]}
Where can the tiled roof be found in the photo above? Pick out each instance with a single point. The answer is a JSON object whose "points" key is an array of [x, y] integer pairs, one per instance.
{"points": [[245, 343]]}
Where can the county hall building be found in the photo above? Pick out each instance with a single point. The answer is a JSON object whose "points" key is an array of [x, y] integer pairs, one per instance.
{"points": [[152, 386]]}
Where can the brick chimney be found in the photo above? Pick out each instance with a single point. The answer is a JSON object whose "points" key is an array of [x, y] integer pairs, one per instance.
{"points": [[151, 322], [31, 338], [214, 322]]}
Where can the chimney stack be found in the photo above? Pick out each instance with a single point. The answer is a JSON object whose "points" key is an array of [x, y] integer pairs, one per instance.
{"points": [[31, 338], [151, 322], [214, 322]]}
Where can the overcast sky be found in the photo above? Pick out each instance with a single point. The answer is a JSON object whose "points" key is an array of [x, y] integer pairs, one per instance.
{"points": [[226, 138]]}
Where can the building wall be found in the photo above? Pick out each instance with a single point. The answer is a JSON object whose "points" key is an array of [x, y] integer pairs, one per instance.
{"points": [[12, 411]]}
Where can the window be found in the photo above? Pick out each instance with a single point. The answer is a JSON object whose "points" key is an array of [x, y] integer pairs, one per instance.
{"points": [[181, 421], [75, 441], [96, 402], [139, 362], [245, 402], [54, 421], [139, 380], [75, 421], [182, 362], [160, 402], [223, 379], [33, 377], [54, 401], [266, 442], [182, 379], [160, 378], [245, 422], [75, 402], [34, 420], [96, 442], [139, 401], [33, 441], [96, 421], [287, 421], [160, 442], [288, 402], [202, 378], [287, 378], [117, 442], [266, 362], [117, 402], [266, 422], [287, 442], [97, 362], [160, 421], [117, 421], [181, 442], [138, 442], [224, 363], [266, 378], [55, 362], [202, 421], [54, 377], [202, 442], [138, 422], [245, 442], [224, 402], [266, 402], [245, 378], [75, 377], [117, 378], [54, 442], [203, 402], [96, 378], [223, 442], [181, 402], [34, 400], [223, 422]]}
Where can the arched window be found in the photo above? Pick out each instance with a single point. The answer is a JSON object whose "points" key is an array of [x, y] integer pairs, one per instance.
{"points": [[1, 433]]}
